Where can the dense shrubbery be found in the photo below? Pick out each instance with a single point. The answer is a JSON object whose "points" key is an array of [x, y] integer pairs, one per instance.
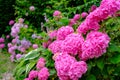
{"points": [[71, 42]]}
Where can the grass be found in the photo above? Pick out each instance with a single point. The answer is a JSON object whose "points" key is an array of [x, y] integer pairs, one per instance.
{"points": [[5, 64]]}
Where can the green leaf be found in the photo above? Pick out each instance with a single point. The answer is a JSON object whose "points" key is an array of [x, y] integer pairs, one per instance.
{"points": [[64, 21], [115, 59], [100, 64], [114, 48], [29, 67], [20, 71], [91, 77], [32, 55]]}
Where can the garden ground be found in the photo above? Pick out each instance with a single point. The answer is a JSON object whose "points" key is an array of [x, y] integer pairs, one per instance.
{"points": [[6, 67]]}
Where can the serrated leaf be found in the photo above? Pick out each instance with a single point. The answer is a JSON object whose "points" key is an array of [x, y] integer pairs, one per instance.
{"points": [[91, 77]]}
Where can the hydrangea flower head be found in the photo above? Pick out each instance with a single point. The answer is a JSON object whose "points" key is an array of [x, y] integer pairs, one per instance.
{"points": [[84, 14], [40, 63], [35, 46], [55, 46], [57, 13], [32, 8], [52, 34], [2, 40], [72, 44], [11, 22], [95, 45], [77, 69], [76, 17], [33, 74], [43, 74], [63, 32]]}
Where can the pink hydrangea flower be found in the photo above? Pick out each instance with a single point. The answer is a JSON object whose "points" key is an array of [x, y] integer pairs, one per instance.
{"points": [[32, 8], [33, 74], [72, 44], [95, 45], [35, 46], [18, 56], [9, 45], [52, 34], [11, 22], [46, 44], [76, 17], [72, 22], [63, 62], [84, 14], [2, 46], [12, 58], [77, 69], [87, 25], [28, 79], [91, 22], [8, 36], [2, 40], [93, 7], [40, 63], [57, 13], [43, 74], [55, 46], [63, 32], [21, 20]]}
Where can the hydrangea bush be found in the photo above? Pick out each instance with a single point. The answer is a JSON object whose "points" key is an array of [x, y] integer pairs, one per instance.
{"points": [[71, 49]]}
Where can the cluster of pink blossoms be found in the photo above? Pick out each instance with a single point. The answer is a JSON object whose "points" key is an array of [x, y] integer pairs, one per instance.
{"points": [[2, 45], [95, 45], [63, 32], [69, 44], [107, 7], [42, 73], [68, 68]]}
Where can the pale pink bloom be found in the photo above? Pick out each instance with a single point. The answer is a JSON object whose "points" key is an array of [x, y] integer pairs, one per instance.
{"points": [[18, 56], [32, 8], [35, 46], [8, 36], [9, 45], [21, 20]]}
